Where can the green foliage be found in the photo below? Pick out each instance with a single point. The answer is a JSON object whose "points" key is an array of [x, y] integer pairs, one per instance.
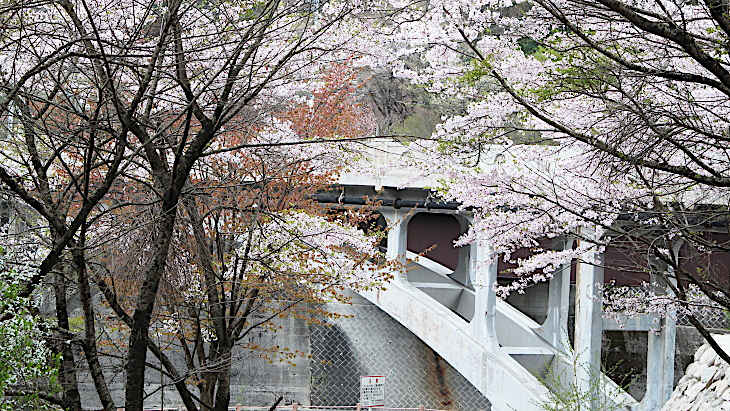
{"points": [[26, 363], [76, 324], [528, 45], [479, 69], [566, 395], [421, 124]]}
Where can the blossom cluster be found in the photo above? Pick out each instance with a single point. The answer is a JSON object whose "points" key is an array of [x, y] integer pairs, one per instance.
{"points": [[573, 117]]}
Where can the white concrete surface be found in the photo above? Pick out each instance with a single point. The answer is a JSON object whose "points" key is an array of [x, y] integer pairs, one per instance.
{"points": [[476, 332]]}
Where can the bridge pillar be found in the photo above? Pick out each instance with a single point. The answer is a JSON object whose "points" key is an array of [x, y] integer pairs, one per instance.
{"points": [[397, 220], [660, 353], [588, 323], [669, 332], [654, 363], [555, 327], [668, 336], [483, 277]]}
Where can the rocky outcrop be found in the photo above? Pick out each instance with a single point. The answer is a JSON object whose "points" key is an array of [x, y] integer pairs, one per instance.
{"points": [[401, 108], [706, 382]]}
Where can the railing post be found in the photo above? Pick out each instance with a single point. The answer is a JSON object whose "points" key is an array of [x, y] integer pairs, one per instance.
{"points": [[483, 273], [556, 323], [660, 347], [668, 335], [357, 407], [660, 350], [294, 407], [588, 321]]}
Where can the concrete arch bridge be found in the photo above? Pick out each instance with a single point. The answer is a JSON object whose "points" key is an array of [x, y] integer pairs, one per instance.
{"points": [[446, 298]]}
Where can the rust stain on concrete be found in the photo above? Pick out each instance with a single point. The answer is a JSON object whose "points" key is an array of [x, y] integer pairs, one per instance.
{"points": [[443, 392]]}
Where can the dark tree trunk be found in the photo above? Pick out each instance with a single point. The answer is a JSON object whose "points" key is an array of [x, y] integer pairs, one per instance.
{"points": [[90, 347], [223, 393], [67, 372], [137, 354]]}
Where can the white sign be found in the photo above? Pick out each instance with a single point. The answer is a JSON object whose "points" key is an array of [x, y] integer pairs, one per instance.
{"points": [[372, 391]]}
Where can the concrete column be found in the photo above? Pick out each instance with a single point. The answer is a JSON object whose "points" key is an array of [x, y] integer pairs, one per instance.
{"points": [[555, 327], [669, 336], [654, 366], [668, 340], [660, 354], [588, 320], [397, 220], [669, 333], [483, 276]]}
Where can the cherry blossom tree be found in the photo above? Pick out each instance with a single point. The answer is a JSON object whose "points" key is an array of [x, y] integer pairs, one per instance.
{"points": [[607, 116], [102, 98], [250, 246]]}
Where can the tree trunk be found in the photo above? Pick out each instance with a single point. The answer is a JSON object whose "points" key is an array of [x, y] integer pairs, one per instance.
{"points": [[67, 373], [137, 354], [90, 347], [223, 393]]}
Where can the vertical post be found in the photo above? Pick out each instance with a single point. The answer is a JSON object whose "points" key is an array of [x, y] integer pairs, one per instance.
{"points": [[556, 323], [588, 321], [358, 408], [397, 238], [660, 349], [294, 407], [483, 274], [669, 336], [654, 358]]}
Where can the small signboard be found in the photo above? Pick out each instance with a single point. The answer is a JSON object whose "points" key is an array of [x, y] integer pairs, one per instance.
{"points": [[372, 391]]}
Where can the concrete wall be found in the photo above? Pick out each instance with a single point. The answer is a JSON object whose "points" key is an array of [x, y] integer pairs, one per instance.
{"points": [[254, 380], [372, 343], [364, 342]]}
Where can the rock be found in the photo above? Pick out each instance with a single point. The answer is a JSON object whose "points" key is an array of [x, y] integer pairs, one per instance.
{"points": [[681, 405], [693, 391], [708, 357], [707, 373], [692, 370], [706, 382], [697, 406], [701, 351], [682, 385]]}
